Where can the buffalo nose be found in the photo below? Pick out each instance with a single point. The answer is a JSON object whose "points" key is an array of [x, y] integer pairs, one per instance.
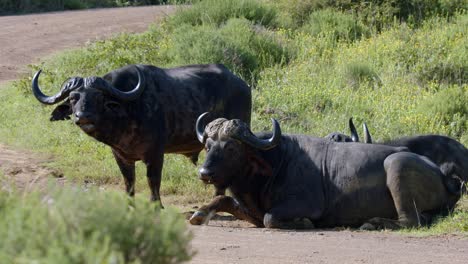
{"points": [[82, 118], [205, 174]]}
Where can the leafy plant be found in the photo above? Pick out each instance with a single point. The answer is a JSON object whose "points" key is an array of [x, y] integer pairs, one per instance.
{"points": [[73, 225]]}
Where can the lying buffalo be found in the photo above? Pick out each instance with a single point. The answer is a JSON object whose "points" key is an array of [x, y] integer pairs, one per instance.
{"points": [[447, 153], [142, 111], [339, 137], [298, 181]]}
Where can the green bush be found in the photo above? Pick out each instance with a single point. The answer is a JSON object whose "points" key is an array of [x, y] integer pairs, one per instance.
{"points": [[376, 14], [436, 53], [89, 226], [357, 73], [450, 107], [341, 26], [242, 47], [219, 11]]}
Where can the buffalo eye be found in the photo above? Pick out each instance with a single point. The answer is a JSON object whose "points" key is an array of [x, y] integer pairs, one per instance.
{"points": [[208, 145], [113, 106], [229, 147], [74, 97]]}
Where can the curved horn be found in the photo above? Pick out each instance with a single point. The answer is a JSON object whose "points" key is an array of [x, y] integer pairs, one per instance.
{"points": [[263, 144], [200, 127], [354, 134], [367, 136], [69, 86], [126, 96]]}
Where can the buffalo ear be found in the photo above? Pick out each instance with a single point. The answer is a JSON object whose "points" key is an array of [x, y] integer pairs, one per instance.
{"points": [[61, 112]]}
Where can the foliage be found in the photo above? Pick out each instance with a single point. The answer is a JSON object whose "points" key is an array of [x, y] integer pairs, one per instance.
{"points": [[89, 226], [240, 45], [342, 26], [456, 222], [376, 14], [219, 11]]}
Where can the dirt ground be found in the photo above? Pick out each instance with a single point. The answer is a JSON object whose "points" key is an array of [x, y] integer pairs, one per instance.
{"points": [[28, 38]]}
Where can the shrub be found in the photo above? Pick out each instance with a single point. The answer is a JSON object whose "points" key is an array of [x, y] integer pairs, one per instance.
{"points": [[341, 26], [89, 226], [219, 11], [376, 14], [294, 13], [242, 47], [449, 107], [357, 73], [437, 53]]}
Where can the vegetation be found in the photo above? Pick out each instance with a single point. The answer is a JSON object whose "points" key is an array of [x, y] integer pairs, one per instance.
{"points": [[456, 222], [29, 6], [401, 66], [74, 225]]}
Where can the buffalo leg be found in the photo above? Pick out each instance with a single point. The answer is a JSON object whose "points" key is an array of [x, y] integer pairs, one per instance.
{"points": [[128, 171], [154, 165], [226, 204], [416, 186]]}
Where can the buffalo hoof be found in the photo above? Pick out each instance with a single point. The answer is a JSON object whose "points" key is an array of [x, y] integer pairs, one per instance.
{"points": [[303, 223], [200, 218], [187, 215], [367, 227]]}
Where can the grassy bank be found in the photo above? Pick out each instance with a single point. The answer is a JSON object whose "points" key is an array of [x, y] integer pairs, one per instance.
{"points": [[403, 70], [72, 225]]}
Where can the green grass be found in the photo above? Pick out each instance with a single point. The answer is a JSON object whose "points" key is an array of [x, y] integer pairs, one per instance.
{"points": [[404, 77], [455, 223], [74, 225]]}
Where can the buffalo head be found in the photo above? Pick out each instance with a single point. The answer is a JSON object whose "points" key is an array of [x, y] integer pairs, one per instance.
{"points": [[338, 137], [229, 145], [93, 102]]}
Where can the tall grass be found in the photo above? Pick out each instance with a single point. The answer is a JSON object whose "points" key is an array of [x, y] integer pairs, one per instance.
{"points": [[456, 222], [72, 225], [219, 11]]}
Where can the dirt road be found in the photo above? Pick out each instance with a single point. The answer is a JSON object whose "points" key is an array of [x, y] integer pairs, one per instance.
{"points": [[26, 39], [216, 244]]}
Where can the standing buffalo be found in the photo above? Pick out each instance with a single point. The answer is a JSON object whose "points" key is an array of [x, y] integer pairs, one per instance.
{"points": [[447, 153], [298, 181], [142, 111]]}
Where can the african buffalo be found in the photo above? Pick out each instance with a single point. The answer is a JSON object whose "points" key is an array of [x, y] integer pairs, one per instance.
{"points": [[339, 137], [298, 181], [142, 111], [447, 153]]}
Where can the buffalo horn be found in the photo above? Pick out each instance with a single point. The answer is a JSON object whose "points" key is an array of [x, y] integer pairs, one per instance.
{"points": [[61, 95], [263, 144], [200, 127], [367, 136], [126, 96], [354, 134]]}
